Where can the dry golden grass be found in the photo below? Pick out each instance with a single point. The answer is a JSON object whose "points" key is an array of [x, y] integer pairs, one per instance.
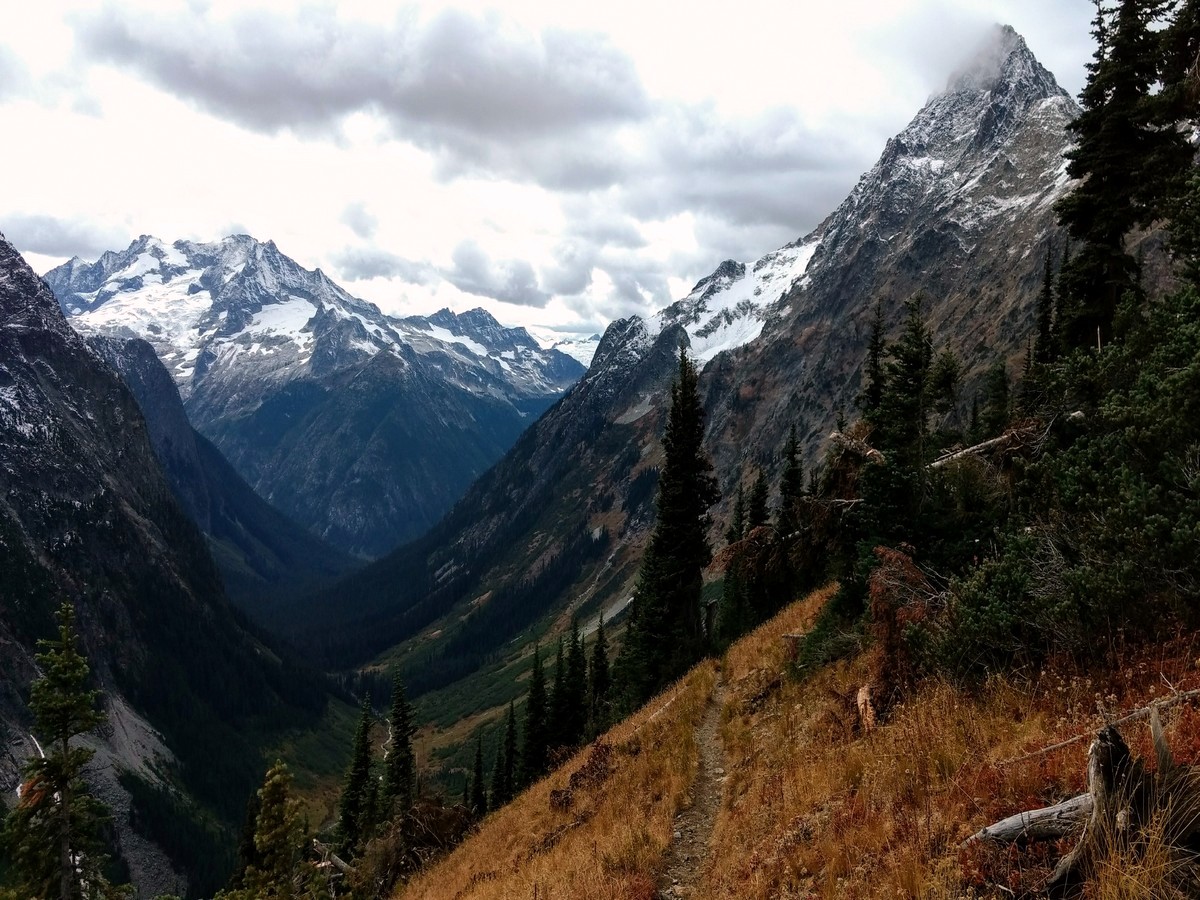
{"points": [[609, 842], [813, 808]]}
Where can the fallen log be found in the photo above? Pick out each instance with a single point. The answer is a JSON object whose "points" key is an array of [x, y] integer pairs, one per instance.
{"points": [[1047, 824]]}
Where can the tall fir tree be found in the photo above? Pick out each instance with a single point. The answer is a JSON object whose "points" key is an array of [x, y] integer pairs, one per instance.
{"points": [[575, 712], [53, 834], [556, 717], [791, 485], [354, 807], [737, 525], [993, 417], [1119, 163], [665, 635], [1044, 344], [399, 768], [478, 800], [536, 731], [598, 683], [757, 513], [499, 793], [871, 395]]}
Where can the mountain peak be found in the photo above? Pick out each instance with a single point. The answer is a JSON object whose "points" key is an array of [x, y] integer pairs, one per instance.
{"points": [[1002, 59]]}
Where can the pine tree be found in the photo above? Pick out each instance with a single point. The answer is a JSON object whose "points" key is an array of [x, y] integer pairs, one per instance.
{"points": [[499, 793], [247, 853], [598, 683], [993, 418], [791, 485], [575, 712], [52, 835], [354, 806], [556, 717], [536, 731], [478, 799], [1043, 347], [399, 768], [756, 508], [737, 525], [1120, 160], [871, 395], [665, 634], [277, 839]]}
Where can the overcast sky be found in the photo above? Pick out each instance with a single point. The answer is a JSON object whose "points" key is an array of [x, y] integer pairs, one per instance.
{"points": [[559, 163]]}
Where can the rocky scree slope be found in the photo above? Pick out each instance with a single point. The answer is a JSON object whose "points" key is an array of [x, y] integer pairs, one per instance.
{"points": [[260, 552], [362, 427], [87, 515]]}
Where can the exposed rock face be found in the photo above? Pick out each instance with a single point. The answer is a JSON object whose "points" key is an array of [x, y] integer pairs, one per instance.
{"points": [[259, 550], [87, 515], [362, 427], [958, 207]]}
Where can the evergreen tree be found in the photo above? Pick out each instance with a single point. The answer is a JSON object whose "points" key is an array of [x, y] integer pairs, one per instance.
{"points": [[354, 806], [499, 794], [871, 395], [737, 525], [598, 683], [536, 732], [478, 799], [791, 485], [277, 839], [399, 768], [1120, 159], [665, 634], [756, 507], [1043, 347], [556, 717], [575, 712], [509, 771], [993, 418], [247, 854], [53, 834]]}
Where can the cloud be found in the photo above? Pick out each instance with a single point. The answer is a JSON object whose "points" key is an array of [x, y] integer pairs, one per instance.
{"points": [[509, 281], [14, 77], [443, 81], [51, 236], [365, 263], [359, 220]]}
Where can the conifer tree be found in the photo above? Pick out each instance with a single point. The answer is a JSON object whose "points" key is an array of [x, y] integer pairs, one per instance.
{"points": [[399, 768], [354, 806], [737, 525], [247, 853], [499, 795], [277, 840], [52, 835], [598, 683], [556, 717], [1121, 159], [536, 731], [756, 506], [478, 799], [665, 634], [1043, 347], [509, 771], [575, 713], [791, 485], [874, 375], [994, 416]]}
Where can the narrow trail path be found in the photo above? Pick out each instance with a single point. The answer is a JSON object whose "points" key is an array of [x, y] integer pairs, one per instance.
{"points": [[694, 826]]}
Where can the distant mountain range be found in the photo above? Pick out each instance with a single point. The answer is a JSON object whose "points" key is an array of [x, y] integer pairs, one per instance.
{"points": [[362, 427]]}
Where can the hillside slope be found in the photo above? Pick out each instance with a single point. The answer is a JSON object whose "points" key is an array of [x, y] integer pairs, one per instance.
{"points": [[259, 551], [808, 805]]}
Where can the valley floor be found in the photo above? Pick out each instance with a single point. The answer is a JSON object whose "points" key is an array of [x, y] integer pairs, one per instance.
{"points": [[745, 781]]}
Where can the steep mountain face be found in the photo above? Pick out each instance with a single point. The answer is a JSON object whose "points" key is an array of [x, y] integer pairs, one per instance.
{"points": [[87, 515], [958, 208], [259, 551], [363, 427]]}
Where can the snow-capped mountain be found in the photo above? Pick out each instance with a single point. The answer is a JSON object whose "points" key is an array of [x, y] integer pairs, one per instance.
{"points": [[274, 361], [958, 208]]}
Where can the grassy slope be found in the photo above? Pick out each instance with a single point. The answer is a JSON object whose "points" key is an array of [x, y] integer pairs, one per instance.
{"points": [[812, 807]]}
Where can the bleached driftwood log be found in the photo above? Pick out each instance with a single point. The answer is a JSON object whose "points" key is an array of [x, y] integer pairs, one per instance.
{"points": [[1048, 824]]}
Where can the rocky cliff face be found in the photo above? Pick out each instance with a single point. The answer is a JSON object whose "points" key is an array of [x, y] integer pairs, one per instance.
{"points": [[958, 208], [87, 515], [363, 427]]}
